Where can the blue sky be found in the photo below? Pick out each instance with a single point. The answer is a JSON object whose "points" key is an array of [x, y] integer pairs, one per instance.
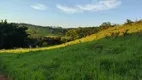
{"points": [[70, 13]]}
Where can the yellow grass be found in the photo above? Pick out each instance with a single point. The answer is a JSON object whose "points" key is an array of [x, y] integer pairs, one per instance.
{"points": [[132, 28]]}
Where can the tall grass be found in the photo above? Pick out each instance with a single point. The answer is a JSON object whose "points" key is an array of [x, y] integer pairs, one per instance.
{"points": [[111, 58]]}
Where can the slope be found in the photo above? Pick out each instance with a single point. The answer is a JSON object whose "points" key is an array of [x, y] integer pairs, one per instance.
{"points": [[43, 31], [111, 58], [113, 31]]}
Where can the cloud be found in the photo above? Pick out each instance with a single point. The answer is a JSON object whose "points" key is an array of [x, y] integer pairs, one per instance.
{"points": [[98, 6], [68, 9], [101, 5], [39, 7]]}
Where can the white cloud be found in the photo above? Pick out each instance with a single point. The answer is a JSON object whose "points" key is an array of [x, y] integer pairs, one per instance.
{"points": [[101, 5], [98, 6], [39, 7], [68, 9]]}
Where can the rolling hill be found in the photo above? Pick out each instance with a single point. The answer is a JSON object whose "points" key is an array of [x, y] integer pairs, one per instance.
{"points": [[43, 31], [111, 54], [119, 30], [106, 59]]}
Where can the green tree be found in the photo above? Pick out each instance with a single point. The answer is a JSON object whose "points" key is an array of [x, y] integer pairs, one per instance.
{"points": [[12, 35], [81, 32], [105, 25], [72, 33], [128, 21]]}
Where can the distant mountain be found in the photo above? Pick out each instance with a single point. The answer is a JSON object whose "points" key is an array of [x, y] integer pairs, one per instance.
{"points": [[43, 31]]}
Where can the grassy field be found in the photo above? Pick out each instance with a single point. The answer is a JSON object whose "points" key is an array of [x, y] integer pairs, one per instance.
{"points": [[111, 58], [113, 31], [43, 31], [111, 54]]}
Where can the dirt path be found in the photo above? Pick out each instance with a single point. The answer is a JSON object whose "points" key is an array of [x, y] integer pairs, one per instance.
{"points": [[2, 77]]}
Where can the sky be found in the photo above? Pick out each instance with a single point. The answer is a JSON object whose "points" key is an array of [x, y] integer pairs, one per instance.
{"points": [[70, 13]]}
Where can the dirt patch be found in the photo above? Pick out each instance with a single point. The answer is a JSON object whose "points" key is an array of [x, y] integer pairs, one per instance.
{"points": [[2, 77]]}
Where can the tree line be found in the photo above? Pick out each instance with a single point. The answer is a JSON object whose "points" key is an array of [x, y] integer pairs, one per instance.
{"points": [[77, 33]]}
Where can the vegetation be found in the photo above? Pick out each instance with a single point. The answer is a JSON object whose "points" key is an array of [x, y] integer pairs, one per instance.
{"points": [[12, 36], [128, 21], [47, 41], [39, 36], [106, 25], [43, 31], [113, 53], [116, 31], [113, 58], [77, 33]]}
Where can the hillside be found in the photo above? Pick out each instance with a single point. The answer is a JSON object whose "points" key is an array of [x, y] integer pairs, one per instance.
{"points": [[111, 54], [71, 40], [116, 31], [43, 31], [113, 58]]}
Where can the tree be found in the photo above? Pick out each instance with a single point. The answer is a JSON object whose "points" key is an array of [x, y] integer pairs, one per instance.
{"points": [[81, 32], [128, 21], [11, 35], [72, 33], [105, 25], [5, 21]]}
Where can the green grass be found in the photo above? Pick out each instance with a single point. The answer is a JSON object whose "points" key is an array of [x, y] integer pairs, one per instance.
{"points": [[39, 31], [115, 58]]}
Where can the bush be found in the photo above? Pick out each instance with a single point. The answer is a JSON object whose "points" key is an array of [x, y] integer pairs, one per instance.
{"points": [[44, 44]]}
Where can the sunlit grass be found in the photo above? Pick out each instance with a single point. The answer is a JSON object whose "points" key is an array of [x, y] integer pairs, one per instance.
{"points": [[114, 31], [110, 58]]}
